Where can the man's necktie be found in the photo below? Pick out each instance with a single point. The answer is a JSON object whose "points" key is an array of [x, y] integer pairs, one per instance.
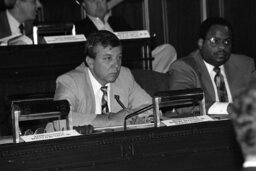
{"points": [[104, 100], [21, 27], [220, 84]]}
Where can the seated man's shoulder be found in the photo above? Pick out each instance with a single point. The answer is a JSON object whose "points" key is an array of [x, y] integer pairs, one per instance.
{"points": [[76, 73], [125, 72], [240, 57]]}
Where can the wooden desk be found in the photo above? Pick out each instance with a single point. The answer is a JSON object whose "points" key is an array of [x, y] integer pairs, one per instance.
{"points": [[202, 146]]}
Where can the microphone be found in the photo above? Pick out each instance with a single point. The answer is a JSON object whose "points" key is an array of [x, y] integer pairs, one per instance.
{"points": [[119, 101]]}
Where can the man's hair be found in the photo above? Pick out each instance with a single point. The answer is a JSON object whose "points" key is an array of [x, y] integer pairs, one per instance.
{"points": [[103, 38], [9, 4], [244, 119], [206, 25]]}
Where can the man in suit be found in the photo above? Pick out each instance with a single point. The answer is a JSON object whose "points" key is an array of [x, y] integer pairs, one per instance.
{"points": [[213, 63], [14, 17], [98, 18], [244, 120], [101, 68]]}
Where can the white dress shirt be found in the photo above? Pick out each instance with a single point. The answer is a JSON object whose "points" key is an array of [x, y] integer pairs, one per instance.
{"points": [[14, 24], [98, 93]]}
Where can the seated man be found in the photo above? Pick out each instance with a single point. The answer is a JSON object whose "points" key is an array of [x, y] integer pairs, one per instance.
{"points": [[13, 19], [98, 19], [212, 67], [244, 120], [100, 91]]}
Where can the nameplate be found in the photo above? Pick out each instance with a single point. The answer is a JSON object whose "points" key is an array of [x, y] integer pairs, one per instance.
{"points": [[187, 120], [51, 135], [140, 34], [64, 38]]}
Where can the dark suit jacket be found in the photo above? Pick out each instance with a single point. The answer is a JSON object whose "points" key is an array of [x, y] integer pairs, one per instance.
{"points": [[5, 29], [86, 26], [191, 72]]}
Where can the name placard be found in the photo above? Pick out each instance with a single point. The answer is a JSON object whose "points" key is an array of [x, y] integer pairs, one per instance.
{"points": [[187, 120], [64, 38], [51, 135], [140, 34]]}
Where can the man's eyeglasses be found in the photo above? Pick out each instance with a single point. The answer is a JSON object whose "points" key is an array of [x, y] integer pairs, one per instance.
{"points": [[216, 42]]}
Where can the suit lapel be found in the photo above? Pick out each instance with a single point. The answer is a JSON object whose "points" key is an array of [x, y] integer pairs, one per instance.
{"points": [[5, 29], [204, 77], [116, 90], [90, 93], [230, 69]]}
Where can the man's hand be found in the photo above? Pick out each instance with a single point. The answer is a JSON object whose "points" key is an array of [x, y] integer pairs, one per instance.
{"points": [[85, 129]]}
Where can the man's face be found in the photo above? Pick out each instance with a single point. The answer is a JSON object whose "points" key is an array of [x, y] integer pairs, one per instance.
{"points": [[107, 63], [29, 8], [96, 8], [216, 48]]}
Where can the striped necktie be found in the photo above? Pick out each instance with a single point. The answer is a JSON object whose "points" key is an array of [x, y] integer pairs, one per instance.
{"points": [[22, 29], [104, 100], [220, 85]]}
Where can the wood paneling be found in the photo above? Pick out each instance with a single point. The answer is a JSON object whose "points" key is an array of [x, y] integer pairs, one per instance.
{"points": [[242, 14], [184, 22]]}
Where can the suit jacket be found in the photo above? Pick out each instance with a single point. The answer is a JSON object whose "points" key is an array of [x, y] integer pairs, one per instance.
{"points": [[5, 29], [191, 72], [86, 26], [75, 86]]}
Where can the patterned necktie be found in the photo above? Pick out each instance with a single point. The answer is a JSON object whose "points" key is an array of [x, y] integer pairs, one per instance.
{"points": [[21, 27], [104, 100], [220, 84]]}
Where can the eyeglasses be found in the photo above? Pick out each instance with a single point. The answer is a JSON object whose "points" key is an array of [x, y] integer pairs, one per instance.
{"points": [[216, 42]]}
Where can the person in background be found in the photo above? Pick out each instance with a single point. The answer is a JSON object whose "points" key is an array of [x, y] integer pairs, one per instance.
{"points": [[244, 122], [100, 91], [14, 17], [212, 67], [98, 18]]}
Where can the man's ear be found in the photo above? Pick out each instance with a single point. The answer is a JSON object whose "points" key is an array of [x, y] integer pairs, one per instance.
{"points": [[89, 61], [200, 43]]}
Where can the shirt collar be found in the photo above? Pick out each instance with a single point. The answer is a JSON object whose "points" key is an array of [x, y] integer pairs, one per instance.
{"points": [[95, 84], [210, 67], [14, 24]]}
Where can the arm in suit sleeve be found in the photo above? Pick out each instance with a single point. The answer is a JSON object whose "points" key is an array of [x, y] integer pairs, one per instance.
{"points": [[137, 96], [182, 76], [66, 88]]}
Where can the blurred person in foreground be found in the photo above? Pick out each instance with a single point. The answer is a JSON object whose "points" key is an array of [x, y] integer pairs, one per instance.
{"points": [[244, 121]]}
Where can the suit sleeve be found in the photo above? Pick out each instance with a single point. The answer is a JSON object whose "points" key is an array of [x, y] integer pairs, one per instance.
{"points": [[182, 76], [137, 95]]}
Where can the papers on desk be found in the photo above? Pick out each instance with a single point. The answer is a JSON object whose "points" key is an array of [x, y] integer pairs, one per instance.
{"points": [[51, 135], [218, 108], [187, 120]]}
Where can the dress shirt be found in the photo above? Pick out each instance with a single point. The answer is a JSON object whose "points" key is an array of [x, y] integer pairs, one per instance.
{"points": [[212, 75], [98, 93], [14, 24], [101, 25]]}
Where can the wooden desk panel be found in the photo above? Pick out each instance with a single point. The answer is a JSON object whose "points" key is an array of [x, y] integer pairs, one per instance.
{"points": [[202, 146]]}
